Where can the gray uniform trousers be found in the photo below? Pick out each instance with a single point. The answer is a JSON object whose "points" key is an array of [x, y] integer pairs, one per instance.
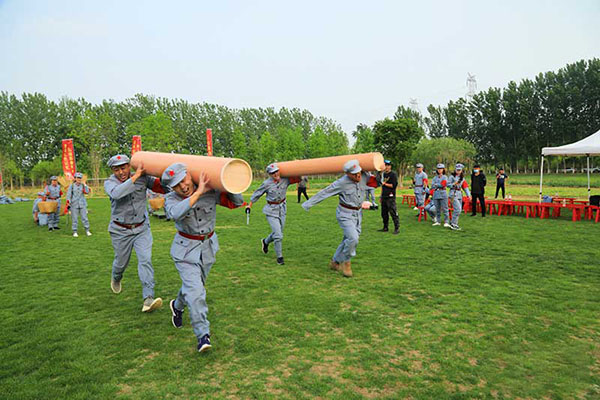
{"points": [[457, 206], [350, 222], [441, 206], [53, 218], [419, 197], [277, 224], [431, 210], [193, 260], [80, 211], [371, 195], [125, 240]]}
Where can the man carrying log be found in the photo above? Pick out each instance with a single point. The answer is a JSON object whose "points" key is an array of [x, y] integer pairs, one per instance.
{"points": [[129, 227], [275, 210], [351, 189], [195, 245]]}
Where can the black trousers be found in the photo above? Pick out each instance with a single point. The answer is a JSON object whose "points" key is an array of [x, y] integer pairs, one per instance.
{"points": [[301, 191], [388, 207], [498, 187], [474, 197]]}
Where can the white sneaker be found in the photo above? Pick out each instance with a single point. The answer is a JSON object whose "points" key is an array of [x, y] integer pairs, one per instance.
{"points": [[75, 234], [416, 208], [88, 233], [455, 228], [446, 225], [435, 223]]}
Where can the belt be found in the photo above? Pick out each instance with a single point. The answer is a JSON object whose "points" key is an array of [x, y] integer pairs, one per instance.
{"points": [[276, 202], [349, 207], [129, 226], [418, 185], [196, 237], [53, 198]]}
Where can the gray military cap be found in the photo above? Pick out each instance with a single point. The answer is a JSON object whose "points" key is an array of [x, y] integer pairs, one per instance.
{"points": [[459, 166], [54, 178], [41, 194], [173, 175], [352, 167], [117, 160], [440, 165], [78, 175], [419, 165], [272, 168]]}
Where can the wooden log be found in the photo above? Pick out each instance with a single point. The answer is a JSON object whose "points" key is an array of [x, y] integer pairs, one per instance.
{"points": [[330, 165], [228, 174]]}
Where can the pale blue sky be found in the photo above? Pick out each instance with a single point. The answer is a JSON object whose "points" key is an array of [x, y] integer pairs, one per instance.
{"points": [[352, 61]]}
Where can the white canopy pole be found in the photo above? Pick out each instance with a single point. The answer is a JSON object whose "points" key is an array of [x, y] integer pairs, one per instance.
{"points": [[588, 171], [541, 177]]}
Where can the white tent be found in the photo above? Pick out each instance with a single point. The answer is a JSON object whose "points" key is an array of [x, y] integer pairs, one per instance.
{"points": [[590, 146]]}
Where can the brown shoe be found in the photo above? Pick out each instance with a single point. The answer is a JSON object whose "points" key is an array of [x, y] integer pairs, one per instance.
{"points": [[334, 265], [346, 269]]}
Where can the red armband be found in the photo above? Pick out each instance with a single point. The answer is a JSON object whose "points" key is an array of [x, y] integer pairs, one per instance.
{"points": [[372, 182], [225, 201], [465, 185], [157, 187], [425, 182], [444, 183], [431, 192]]}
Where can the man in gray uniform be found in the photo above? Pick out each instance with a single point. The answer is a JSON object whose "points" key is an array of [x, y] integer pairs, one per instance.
{"points": [[457, 183], [420, 182], [129, 227], [39, 218], [351, 189], [193, 208], [53, 193], [276, 188], [77, 203]]}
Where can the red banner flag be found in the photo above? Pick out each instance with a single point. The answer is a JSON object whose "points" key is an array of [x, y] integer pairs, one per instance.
{"points": [[68, 158], [136, 144], [209, 146]]}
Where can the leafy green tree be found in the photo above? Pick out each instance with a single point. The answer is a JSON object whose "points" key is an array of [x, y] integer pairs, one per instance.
{"points": [[317, 144], [156, 131], [268, 149], [396, 139], [364, 139], [446, 150]]}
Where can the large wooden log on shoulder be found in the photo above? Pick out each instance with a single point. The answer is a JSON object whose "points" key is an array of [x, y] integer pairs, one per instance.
{"points": [[229, 174], [330, 165]]}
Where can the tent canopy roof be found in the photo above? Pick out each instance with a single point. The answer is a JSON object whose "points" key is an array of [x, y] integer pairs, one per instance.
{"points": [[590, 145]]}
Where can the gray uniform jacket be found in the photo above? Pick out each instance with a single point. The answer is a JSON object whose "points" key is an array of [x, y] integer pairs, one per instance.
{"points": [[350, 193], [53, 193], [199, 219], [438, 184], [276, 192], [456, 190], [128, 199], [76, 195], [420, 182]]}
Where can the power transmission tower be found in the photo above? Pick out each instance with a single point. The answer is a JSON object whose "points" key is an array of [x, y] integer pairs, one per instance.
{"points": [[471, 86], [413, 104]]}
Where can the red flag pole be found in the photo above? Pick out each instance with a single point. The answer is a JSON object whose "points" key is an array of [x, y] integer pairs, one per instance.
{"points": [[136, 144], [209, 142], [68, 158]]}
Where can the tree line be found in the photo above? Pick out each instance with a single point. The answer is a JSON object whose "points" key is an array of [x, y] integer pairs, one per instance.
{"points": [[32, 128]]}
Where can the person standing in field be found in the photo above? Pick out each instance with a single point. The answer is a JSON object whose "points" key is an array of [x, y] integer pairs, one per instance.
{"points": [[351, 189], [457, 183], [195, 245], [77, 203], [440, 197], [388, 198], [129, 226], [302, 186], [420, 182], [53, 193], [501, 177], [478, 182], [39, 218]]}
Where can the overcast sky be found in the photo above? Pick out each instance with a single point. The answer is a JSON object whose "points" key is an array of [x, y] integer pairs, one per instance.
{"points": [[352, 61]]}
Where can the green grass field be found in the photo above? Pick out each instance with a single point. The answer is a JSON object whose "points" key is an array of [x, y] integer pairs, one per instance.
{"points": [[506, 308]]}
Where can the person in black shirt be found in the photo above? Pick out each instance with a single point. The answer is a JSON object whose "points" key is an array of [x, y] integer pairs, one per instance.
{"points": [[500, 178], [478, 182], [388, 198]]}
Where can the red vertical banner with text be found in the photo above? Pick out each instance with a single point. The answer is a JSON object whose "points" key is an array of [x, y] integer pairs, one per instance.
{"points": [[68, 158], [209, 146], [136, 144]]}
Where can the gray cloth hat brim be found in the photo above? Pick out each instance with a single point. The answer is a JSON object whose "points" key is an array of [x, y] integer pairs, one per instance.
{"points": [[173, 175], [117, 160], [352, 167], [272, 168], [441, 166]]}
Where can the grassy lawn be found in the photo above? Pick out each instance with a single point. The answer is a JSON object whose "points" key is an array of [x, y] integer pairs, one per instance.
{"points": [[506, 308]]}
